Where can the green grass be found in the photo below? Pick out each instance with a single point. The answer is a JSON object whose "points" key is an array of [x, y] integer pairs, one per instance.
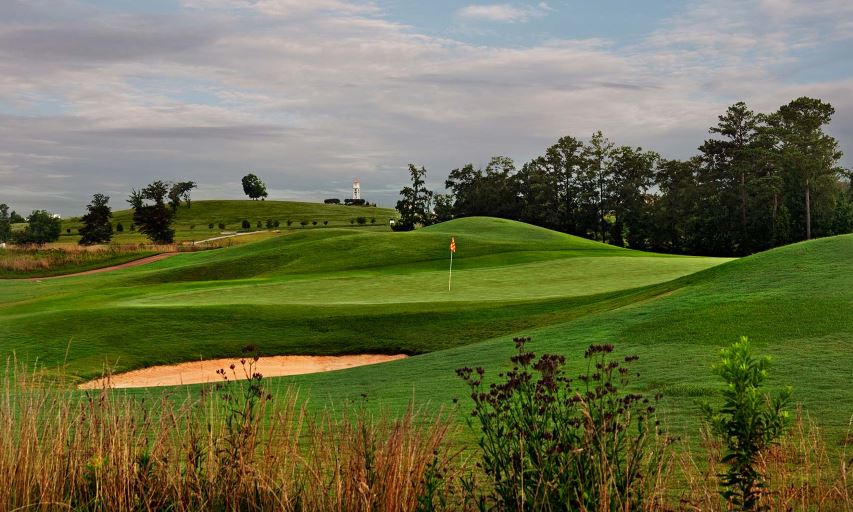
{"points": [[192, 223], [337, 291]]}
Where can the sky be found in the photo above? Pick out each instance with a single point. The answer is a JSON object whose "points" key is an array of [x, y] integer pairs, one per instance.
{"points": [[98, 96]]}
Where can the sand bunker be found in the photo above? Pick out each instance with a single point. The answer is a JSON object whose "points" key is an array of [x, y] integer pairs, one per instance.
{"points": [[199, 372]]}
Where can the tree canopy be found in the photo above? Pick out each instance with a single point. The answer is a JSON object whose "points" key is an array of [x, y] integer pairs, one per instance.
{"points": [[254, 187], [150, 213], [96, 222]]}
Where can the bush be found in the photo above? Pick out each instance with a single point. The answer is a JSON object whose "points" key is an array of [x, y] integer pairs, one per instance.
{"points": [[260, 224], [314, 222], [269, 224], [246, 224], [325, 223], [352, 221], [210, 226], [68, 231], [133, 227], [748, 423], [373, 220], [120, 227], [192, 227], [221, 225], [289, 222], [303, 223], [276, 224], [548, 442], [361, 220], [332, 201]]}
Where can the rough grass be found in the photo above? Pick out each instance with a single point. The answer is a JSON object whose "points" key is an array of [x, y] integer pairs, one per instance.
{"points": [[20, 262]]}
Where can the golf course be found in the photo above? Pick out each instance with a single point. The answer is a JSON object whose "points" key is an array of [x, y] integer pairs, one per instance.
{"points": [[349, 291]]}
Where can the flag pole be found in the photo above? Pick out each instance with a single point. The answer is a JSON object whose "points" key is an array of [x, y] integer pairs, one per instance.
{"points": [[450, 275]]}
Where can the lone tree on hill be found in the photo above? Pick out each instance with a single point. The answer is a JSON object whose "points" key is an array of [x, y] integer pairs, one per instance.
{"points": [[181, 191], [416, 203], [154, 220], [96, 223], [42, 227], [254, 187]]}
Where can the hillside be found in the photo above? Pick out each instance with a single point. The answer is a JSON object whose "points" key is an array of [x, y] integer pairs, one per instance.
{"points": [[193, 223], [327, 291]]}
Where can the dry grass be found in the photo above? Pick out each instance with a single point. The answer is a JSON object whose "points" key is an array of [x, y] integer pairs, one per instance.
{"points": [[802, 475], [25, 260], [109, 451]]}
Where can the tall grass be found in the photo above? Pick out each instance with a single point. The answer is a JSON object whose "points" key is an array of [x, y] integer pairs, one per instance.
{"points": [[110, 451]]}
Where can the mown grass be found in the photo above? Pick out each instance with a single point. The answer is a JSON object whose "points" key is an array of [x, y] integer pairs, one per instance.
{"points": [[192, 223], [338, 291]]}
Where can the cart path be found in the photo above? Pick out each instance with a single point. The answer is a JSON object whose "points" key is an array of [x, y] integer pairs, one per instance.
{"points": [[129, 264]]}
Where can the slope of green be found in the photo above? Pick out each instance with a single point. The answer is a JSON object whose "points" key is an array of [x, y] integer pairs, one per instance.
{"points": [[192, 223], [794, 302], [327, 292]]}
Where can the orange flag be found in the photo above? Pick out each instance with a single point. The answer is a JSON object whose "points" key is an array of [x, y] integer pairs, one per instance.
{"points": [[452, 244]]}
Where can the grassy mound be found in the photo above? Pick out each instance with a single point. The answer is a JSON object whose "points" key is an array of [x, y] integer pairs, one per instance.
{"points": [[194, 223], [327, 291]]}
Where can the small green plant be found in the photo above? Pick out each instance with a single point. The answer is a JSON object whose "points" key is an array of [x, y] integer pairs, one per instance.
{"points": [[303, 223], [120, 227], [210, 226], [289, 222], [221, 225], [270, 224], [373, 220], [276, 224], [192, 227], [325, 223], [245, 224], [361, 220], [749, 422], [313, 222], [260, 224], [352, 221]]}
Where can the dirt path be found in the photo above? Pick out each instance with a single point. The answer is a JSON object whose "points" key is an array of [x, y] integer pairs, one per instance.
{"points": [[199, 372], [232, 235], [129, 264]]}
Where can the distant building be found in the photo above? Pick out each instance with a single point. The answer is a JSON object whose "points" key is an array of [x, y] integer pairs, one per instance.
{"points": [[356, 190]]}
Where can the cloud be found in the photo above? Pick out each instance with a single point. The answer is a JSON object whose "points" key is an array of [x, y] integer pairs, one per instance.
{"points": [[502, 13], [311, 94]]}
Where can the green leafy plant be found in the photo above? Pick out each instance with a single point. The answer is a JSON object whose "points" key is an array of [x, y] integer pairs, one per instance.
{"points": [[748, 423]]}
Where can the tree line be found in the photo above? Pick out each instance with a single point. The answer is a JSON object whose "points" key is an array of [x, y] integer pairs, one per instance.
{"points": [[761, 180]]}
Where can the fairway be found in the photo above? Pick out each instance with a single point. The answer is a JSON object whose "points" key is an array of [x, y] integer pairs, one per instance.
{"points": [[339, 291]]}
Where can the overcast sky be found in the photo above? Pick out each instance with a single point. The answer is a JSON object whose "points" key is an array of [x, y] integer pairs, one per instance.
{"points": [[105, 95]]}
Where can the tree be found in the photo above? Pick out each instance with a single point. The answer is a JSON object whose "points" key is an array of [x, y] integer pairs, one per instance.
{"points": [[96, 223], [632, 175], [181, 191], [42, 227], [151, 214], [596, 181], [254, 187], [415, 204], [5, 223], [809, 154]]}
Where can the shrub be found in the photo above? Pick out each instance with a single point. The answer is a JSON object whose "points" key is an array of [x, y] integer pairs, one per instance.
{"points": [[210, 226], [221, 225], [68, 231], [548, 442], [373, 220], [269, 223], [314, 222], [246, 224], [120, 227], [748, 423], [325, 223], [303, 223], [133, 227], [192, 227], [352, 221], [361, 220], [289, 222], [260, 224], [276, 224]]}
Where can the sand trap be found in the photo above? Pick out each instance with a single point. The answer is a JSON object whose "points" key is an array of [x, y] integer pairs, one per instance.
{"points": [[199, 372]]}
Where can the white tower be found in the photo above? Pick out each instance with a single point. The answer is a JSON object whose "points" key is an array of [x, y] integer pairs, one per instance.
{"points": [[356, 189]]}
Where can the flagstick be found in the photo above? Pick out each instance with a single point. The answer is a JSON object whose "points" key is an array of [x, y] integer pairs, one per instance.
{"points": [[450, 275]]}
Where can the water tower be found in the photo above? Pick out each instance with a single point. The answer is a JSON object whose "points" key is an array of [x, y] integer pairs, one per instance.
{"points": [[356, 189]]}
